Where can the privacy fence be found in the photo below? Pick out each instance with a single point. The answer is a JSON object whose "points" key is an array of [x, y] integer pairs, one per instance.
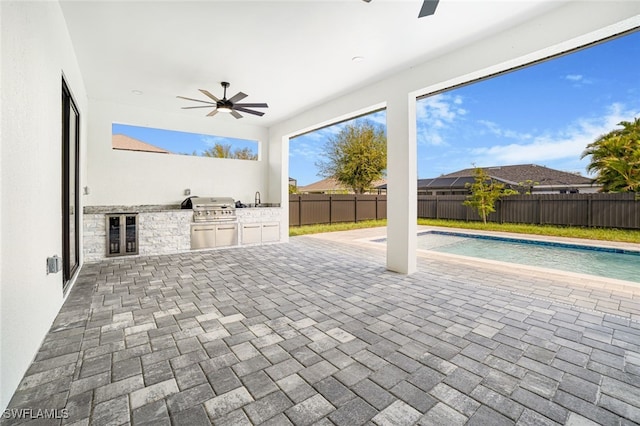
{"points": [[320, 208], [590, 210]]}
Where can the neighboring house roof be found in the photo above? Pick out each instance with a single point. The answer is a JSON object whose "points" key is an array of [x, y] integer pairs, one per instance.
{"points": [[445, 182], [130, 144], [544, 176], [440, 182], [332, 185], [511, 175]]}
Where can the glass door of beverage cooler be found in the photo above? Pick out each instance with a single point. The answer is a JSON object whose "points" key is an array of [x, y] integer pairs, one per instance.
{"points": [[131, 236], [114, 228], [122, 234]]}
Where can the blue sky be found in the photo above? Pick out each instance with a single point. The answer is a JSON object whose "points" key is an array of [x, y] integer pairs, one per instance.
{"points": [[180, 142], [544, 114]]}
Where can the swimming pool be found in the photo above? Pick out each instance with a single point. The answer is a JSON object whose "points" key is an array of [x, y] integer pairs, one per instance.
{"points": [[600, 261]]}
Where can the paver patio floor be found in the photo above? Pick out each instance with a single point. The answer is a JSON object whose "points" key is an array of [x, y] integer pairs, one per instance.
{"points": [[318, 332]]}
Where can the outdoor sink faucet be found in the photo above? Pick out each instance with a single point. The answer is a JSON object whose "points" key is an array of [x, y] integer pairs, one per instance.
{"points": [[257, 199]]}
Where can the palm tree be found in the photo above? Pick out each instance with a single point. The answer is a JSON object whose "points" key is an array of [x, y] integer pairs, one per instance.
{"points": [[615, 158]]}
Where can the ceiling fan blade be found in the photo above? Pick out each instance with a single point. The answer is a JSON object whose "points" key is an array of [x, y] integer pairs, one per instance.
{"points": [[238, 96], [428, 8], [197, 100], [248, 111], [206, 92], [212, 113], [261, 105], [203, 106], [235, 114]]}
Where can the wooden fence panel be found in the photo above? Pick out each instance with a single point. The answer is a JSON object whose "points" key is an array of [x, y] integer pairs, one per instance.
{"points": [[518, 210], [427, 207], [562, 210], [451, 207], [617, 211], [343, 208], [596, 210], [381, 209], [366, 209], [294, 211], [311, 209], [314, 209]]}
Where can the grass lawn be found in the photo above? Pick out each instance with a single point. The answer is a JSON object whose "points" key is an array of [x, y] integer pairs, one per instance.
{"points": [[345, 226], [622, 235]]}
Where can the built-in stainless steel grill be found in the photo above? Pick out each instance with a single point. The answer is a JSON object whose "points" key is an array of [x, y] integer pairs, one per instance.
{"points": [[213, 209], [215, 223]]}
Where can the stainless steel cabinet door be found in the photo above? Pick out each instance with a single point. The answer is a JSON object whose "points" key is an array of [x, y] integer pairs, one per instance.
{"points": [[203, 236], [227, 235]]}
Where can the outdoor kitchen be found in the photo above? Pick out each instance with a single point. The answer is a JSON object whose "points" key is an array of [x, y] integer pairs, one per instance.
{"points": [[198, 223]]}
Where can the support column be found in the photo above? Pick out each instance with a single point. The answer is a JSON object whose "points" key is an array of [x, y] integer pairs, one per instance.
{"points": [[277, 174], [402, 177]]}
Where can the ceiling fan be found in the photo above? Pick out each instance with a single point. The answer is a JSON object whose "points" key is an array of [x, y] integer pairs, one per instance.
{"points": [[230, 105], [428, 7]]}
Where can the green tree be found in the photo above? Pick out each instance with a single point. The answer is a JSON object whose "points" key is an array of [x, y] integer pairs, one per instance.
{"points": [[615, 158], [245, 154], [225, 151], [484, 193], [527, 186], [218, 151], [356, 157]]}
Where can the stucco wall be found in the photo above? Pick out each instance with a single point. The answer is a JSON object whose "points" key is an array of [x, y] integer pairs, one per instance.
{"points": [[36, 51], [117, 177]]}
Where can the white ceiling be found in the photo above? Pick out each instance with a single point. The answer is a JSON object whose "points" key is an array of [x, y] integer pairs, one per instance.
{"points": [[291, 54]]}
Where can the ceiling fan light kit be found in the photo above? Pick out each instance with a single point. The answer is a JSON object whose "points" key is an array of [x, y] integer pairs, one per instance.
{"points": [[229, 106]]}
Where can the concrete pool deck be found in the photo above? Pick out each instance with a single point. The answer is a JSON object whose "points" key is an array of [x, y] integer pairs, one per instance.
{"points": [[316, 331]]}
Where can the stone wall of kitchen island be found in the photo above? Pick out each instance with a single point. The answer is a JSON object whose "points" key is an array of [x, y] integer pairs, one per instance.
{"points": [[160, 230], [259, 214]]}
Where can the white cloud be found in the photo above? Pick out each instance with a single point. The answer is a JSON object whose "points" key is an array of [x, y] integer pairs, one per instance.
{"points": [[305, 150], [495, 129], [210, 141], [435, 115], [565, 143], [573, 77], [577, 79]]}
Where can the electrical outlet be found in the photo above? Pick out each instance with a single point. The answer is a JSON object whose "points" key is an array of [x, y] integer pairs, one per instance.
{"points": [[54, 264]]}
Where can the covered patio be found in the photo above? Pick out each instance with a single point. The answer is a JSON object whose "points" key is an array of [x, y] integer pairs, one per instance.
{"points": [[317, 331], [258, 331]]}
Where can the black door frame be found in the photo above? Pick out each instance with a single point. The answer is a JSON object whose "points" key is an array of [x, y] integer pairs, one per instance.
{"points": [[70, 170]]}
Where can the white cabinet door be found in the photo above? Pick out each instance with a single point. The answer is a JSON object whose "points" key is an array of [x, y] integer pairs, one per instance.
{"points": [[251, 233], [270, 232]]}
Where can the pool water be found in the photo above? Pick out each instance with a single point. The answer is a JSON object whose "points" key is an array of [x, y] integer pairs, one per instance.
{"points": [[604, 262]]}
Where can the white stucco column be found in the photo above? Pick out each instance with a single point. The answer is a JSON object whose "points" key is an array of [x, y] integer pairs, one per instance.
{"points": [[278, 178], [402, 184]]}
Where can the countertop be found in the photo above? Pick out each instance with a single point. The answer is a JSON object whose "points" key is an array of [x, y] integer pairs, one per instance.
{"points": [[156, 208]]}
